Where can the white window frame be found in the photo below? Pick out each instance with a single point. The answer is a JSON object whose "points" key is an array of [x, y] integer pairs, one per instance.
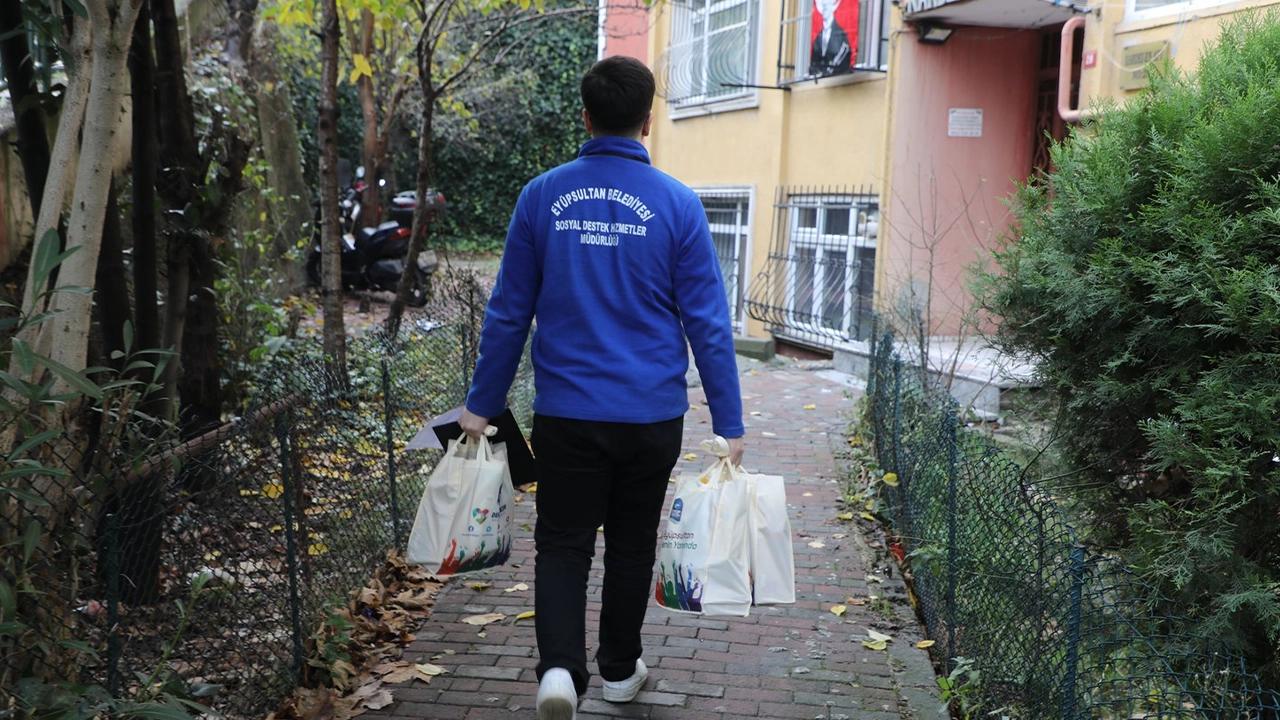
{"points": [[800, 26], [680, 37], [1131, 11], [822, 243], [743, 228]]}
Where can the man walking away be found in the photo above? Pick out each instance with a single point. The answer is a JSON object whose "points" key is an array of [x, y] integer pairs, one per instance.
{"points": [[616, 262]]}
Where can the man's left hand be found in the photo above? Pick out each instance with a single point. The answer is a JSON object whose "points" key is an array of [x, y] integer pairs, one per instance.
{"points": [[473, 425]]}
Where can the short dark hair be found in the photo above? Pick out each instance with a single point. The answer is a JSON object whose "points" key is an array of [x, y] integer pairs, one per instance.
{"points": [[618, 94]]}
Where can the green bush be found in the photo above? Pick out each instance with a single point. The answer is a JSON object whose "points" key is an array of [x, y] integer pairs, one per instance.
{"points": [[1145, 279]]}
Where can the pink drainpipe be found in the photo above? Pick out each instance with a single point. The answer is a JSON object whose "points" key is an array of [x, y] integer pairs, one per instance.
{"points": [[1066, 62]]}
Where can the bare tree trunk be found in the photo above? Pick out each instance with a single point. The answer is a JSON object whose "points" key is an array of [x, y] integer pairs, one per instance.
{"points": [[68, 331], [33, 138], [177, 291], [181, 176], [200, 386], [62, 172], [422, 214], [335, 339], [111, 301], [142, 72], [278, 135], [241, 13], [373, 150]]}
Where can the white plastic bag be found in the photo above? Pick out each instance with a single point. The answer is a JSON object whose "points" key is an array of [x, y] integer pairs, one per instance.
{"points": [[704, 553], [464, 519], [773, 564]]}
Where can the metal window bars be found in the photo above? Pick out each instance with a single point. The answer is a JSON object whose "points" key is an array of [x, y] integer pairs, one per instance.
{"points": [[817, 285], [712, 51], [728, 217]]}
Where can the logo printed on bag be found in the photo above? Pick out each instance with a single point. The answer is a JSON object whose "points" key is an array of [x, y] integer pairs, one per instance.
{"points": [[677, 509], [480, 515]]}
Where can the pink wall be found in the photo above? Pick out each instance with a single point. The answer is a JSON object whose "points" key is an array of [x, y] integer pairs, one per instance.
{"points": [[949, 192], [626, 29]]}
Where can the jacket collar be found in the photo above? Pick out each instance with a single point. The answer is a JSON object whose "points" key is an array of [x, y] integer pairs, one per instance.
{"points": [[614, 145]]}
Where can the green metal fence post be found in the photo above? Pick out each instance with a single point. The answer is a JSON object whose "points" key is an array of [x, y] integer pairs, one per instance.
{"points": [[1073, 634], [897, 418], [113, 604], [291, 542], [949, 436], [387, 416]]}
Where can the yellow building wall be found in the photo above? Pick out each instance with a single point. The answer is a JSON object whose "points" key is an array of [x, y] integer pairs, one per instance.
{"points": [[829, 133], [1108, 32]]}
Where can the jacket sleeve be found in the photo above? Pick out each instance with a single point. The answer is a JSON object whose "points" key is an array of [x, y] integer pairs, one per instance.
{"points": [[704, 311], [508, 317]]}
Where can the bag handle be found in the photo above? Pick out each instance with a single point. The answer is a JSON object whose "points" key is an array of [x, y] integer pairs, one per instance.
{"points": [[483, 449], [718, 447]]}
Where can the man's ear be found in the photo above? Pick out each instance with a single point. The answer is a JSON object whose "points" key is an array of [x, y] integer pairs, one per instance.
{"points": [[648, 125], [586, 121]]}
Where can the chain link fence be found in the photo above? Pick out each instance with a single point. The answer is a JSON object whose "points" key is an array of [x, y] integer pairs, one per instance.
{"points": [[203, 567], [1041, 626]]}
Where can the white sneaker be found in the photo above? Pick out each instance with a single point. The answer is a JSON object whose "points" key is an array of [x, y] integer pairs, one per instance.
{"points": [[624, 691], [557, 697]]}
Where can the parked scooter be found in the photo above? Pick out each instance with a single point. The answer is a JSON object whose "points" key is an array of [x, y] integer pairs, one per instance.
{"points": [[373, 258]]}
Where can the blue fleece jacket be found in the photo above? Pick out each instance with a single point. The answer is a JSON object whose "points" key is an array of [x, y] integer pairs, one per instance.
{"points": [[615, 260]]}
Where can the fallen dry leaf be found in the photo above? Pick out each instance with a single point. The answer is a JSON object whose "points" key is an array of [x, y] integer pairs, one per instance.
{"points": [[875, 644], [379, 701], [479, 585], [878, 636], [518, 587], [691, 456], [810, 406], [839, 610], [526, 615], [484, 619], [844, 516], [817, 544], [430, 670], [924, 644], [890, 479]]}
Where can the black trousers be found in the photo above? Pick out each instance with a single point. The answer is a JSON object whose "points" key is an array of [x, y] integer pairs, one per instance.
{"points": [[592, 474]]}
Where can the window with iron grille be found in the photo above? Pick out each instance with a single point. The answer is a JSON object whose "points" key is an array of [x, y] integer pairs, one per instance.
{"points": [[826, 38], [713, 51], [728, 215], [818, 285]]}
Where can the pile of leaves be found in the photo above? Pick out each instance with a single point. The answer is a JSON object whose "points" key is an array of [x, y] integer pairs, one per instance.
{"points": [[354, 657], [1145, 280]]}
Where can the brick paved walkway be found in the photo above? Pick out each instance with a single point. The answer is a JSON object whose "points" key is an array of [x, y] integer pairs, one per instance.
{"points": [[796, 661]]}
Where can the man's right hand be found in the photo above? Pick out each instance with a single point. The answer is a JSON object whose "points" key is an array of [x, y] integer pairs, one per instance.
{"points": [[737, 447]]}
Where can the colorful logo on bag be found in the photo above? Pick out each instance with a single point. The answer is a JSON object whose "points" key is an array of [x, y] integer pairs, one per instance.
{"points": [[677, 509], [480, 515], [678, 589]]}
